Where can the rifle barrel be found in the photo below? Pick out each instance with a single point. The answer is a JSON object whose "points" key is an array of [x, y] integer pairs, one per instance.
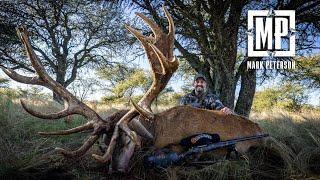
{"points": [[247, 138], [221, 144]]}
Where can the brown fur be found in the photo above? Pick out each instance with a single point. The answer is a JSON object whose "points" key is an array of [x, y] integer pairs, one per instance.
{"points": [[179, 122]]}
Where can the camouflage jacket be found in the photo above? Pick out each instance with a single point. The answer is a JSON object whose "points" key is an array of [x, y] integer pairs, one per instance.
{"points": [[206, 101]]}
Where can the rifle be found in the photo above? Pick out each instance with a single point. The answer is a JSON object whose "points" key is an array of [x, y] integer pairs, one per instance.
{"points": [[172, 158]]}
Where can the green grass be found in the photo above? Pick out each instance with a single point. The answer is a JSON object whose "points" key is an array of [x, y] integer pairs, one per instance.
{"points": [[23, 149], [297, 138], [293, 151]]}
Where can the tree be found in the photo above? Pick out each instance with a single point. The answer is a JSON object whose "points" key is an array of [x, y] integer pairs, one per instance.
{"points": [[307, 72], [289, 96], [266, 99], [67, 35], [83, 87], [210, 33], [134, 81], [124, 81]]}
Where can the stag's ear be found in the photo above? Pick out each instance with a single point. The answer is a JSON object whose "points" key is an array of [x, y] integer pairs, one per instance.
{"points": [[141, 111], [136, 126]]}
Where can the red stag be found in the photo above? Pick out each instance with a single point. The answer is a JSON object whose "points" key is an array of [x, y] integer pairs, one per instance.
{"points": [[163, 129]]}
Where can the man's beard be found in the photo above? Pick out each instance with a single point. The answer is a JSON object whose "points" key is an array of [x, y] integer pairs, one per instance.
{"points": [[199, 90]]}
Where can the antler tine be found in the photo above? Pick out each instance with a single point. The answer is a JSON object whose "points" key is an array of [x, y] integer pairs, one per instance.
{"points": [[171, 32], [23, 79], [24, 38], [161, 58], [35, 81], [136, 125], [86, 126], [56, 115], [145, 44], [143, 112], [48, 81], [154, 27], [71, 103], [170, 22], [143, 39], [82, 150]]}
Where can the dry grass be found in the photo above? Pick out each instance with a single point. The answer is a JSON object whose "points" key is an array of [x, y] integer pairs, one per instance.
{"points": [[293, 151]]}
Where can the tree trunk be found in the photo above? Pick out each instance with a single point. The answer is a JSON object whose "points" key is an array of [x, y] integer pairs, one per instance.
{"points": [[222, 64], [227, 93], [246, 94], [60, 78]]}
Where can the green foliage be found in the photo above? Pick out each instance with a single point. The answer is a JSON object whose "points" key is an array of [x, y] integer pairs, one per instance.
{"points": [[169, 99], [186, 74], [116, 74], [3, 82], [10, 93], [7, 34], [135, 80], [109, 99], [125, 81], [289, 96], [265, 99], [307, 72], [33, 93]]}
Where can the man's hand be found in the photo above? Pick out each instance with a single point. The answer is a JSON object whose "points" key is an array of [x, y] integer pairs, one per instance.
{"points": [[226, 110]]}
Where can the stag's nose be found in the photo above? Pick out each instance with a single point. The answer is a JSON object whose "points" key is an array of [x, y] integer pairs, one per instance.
{"points": [[126, 154]]}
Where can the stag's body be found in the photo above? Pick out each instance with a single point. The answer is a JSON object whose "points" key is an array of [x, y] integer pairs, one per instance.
{"points": [[176, 123]]}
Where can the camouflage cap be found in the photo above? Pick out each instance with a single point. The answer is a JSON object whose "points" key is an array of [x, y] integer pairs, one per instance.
{"points": [[199, 76]]}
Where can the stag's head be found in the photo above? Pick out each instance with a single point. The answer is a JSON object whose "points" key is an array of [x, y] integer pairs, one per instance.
{"points": [[159, 50]]}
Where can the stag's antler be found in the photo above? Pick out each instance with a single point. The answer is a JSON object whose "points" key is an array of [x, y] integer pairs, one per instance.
{"points": [[72, 104], [159, 50]]}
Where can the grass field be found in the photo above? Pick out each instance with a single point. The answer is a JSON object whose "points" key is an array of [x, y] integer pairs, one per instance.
{"points": [[294, 146]]}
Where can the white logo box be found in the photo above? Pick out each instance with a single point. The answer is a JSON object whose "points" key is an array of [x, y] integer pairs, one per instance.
{"points": [[265, 30]]}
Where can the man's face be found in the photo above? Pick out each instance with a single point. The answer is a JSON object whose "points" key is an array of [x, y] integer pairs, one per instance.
{"points": [[200, 85]]}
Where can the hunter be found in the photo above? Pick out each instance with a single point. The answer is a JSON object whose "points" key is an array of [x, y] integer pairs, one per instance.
{"points": [[200, 97]]}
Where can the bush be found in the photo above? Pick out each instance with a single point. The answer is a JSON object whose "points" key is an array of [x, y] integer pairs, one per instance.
{"points": [[290, 97], [10, 93]]}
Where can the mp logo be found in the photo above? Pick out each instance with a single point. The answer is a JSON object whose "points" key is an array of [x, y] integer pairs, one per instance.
{"points": [[271, 33]]}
